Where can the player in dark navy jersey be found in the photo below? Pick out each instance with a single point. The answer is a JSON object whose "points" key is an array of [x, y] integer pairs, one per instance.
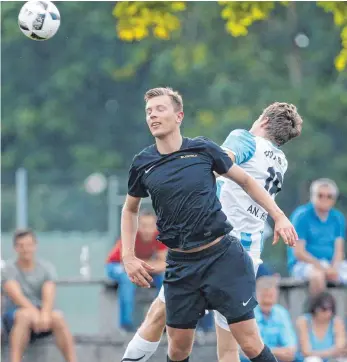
{"points": [[206, 267]]}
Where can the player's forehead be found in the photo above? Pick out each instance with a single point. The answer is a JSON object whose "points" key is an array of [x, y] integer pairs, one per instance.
{"points": [[164, 100]]}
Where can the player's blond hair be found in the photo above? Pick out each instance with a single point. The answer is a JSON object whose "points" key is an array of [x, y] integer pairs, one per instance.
{"points": [[284, 122], [176, 98]]}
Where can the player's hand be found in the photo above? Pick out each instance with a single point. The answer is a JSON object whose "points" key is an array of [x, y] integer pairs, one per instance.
{"points": [[284, 229], [138, 271]]}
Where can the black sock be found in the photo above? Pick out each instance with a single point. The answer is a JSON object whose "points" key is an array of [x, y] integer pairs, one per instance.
{"points": [[184, 360], [265, 356]]}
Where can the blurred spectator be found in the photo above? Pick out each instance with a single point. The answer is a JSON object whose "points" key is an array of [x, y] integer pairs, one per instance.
{"points": [[29, 287], [318, 256], [321, 333], [264, 269], [148, 249], [274, 323]]}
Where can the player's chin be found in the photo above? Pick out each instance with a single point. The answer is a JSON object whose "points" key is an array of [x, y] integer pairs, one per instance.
{"points": [[158, 133]]}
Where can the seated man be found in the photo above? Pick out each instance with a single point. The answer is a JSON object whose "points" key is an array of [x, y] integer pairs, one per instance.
{"points": [[148, 249], [29, 288], [274, 323], [319, 253]]}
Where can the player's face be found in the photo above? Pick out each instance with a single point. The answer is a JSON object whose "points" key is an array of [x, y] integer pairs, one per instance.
{"points": [[161, 117], [267, 298], [25, 248], [147, 227], [324, 199]]}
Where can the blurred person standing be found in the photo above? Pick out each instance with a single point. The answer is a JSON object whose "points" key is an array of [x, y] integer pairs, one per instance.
{"points": [[273, 320], [319, 254], [29, 288], [147, 248], [321, 332]]}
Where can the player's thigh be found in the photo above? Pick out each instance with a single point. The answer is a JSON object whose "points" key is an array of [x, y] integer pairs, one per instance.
{"points": [[247, 334], [230, 284]]}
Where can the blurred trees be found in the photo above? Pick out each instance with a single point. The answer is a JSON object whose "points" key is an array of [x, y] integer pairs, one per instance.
{"points": [[136, 18], [73, 105]]}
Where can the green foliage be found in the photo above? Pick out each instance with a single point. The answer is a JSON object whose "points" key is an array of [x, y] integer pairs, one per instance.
{"points": [[73, 105], [136, 18]]}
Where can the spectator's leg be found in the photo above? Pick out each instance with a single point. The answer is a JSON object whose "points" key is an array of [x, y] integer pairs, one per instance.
{"points": [[20, 333], [315, 277], [343, 272], [63, 337], [317, 281], [126, 293]]}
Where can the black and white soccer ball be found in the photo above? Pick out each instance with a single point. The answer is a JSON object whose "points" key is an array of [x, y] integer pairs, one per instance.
{"points": [[39, 20]]}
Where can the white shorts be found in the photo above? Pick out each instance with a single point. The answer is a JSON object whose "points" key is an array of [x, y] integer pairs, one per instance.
{"points": [[220, 320], [302, 270]]}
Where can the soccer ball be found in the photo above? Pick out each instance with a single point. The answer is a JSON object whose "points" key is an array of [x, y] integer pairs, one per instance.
{"points": [[39, 20]]}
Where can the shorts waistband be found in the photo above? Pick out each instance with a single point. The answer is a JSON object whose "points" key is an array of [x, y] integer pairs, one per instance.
{"points": [[221, 245]]}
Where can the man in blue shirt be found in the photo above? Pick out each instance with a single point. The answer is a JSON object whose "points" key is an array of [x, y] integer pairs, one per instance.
{"points": [[318, 256], [275, 325]]}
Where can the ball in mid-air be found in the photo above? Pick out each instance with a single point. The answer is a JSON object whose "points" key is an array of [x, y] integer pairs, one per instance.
{"points": [[39, 20]]}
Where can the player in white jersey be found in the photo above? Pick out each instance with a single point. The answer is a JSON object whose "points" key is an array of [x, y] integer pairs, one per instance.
{"points": [[257, 152]]}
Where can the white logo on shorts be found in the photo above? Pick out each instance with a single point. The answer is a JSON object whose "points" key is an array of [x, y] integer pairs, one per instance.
{"points": [[244, 304]]}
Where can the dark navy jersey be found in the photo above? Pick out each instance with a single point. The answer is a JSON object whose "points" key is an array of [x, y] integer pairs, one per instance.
{"points": [[183, 191]]}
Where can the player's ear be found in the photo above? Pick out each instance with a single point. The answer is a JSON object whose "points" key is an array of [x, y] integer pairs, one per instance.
{"points": [[264, 121], [179, 118]]}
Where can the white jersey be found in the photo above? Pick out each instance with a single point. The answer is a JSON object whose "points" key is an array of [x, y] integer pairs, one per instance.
{"points": [[267, 164]]}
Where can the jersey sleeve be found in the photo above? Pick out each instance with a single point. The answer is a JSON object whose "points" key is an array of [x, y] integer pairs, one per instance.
{"points": [[50, 272], [299, 222], [242, 144], [221, 161], [8, 273], [135, 185]]}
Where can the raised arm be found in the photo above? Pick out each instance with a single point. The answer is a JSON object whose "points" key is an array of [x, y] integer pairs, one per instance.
{"points": [[283, 226]]}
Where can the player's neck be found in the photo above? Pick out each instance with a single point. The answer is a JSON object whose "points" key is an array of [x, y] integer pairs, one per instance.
{"points": [[171, 143]]}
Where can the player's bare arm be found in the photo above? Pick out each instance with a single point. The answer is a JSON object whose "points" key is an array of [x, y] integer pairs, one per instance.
{"points": [[136, 269], [283, 226]]}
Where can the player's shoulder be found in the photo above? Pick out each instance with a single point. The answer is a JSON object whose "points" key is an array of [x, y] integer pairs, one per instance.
{"points": [[241, 132], [242, 135], [143, 156], [200, 142]]}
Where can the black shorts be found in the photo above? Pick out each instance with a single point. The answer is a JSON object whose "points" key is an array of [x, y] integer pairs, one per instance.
{"points": [[220, 277]]}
